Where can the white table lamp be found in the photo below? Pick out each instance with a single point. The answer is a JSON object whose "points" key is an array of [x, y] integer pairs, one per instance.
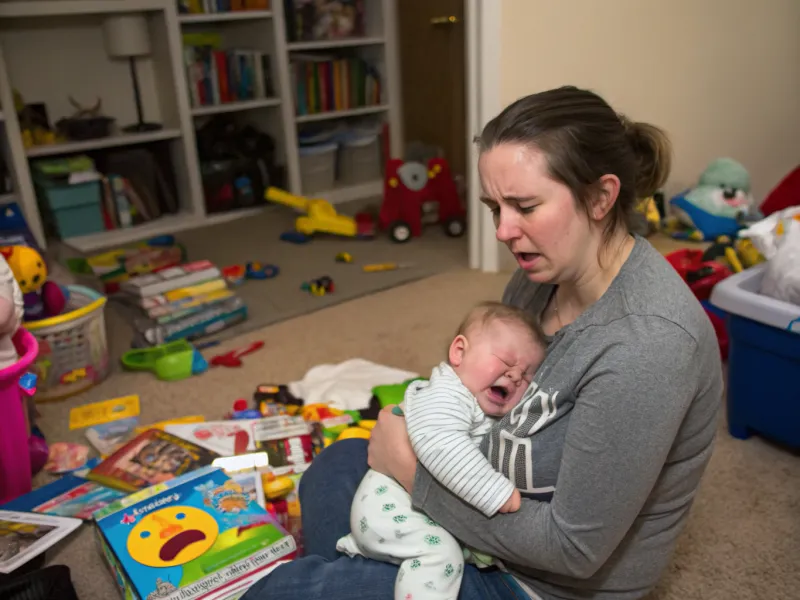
{"points": [[127, 36]]}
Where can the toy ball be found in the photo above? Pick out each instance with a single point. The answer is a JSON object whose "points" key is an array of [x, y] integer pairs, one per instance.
{"points": [[28, 267]]}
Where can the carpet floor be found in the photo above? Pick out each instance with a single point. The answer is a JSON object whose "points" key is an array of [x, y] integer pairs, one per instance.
{"points": [[743, 537]]}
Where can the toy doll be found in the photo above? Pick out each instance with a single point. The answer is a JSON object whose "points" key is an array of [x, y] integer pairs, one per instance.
{"points": [[42, 298]]}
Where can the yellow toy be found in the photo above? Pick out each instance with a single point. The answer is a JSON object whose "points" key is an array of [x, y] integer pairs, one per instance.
{"points": [[320, 214], [648, 208], [42, 298]]}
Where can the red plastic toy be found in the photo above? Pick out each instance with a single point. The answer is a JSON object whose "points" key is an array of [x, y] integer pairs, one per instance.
{"points": [[700, 275], [234, 357], [409, 185]]}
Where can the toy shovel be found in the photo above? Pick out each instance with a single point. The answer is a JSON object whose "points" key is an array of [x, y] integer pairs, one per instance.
{"points": [[170, 362]]}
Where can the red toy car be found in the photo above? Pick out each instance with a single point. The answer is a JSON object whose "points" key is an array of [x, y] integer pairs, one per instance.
{"points": [[410, 185]]}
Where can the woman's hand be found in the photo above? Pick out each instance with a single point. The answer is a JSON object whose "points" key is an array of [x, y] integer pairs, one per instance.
{"points": [[390, 450]]}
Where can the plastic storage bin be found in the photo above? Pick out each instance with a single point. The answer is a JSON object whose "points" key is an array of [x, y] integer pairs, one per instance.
{"points": [[15, 460], [73, 348], [763, 359], [360, 159], [317, 168], [72, 210]]}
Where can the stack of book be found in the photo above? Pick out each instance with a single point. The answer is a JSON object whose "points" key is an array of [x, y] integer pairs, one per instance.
{"points": [[184, 302]]}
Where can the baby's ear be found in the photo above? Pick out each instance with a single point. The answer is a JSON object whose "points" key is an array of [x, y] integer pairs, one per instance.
{"points": [[457, 349]]}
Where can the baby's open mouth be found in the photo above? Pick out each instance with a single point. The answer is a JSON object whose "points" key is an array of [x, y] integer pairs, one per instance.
{"points": [[498, 393]]}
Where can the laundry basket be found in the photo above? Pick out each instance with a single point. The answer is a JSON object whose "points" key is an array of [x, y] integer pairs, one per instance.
{"points": [[73, 350]]}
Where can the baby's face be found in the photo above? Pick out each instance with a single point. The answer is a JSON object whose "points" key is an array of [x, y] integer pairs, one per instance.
{"points": [[496, 362]]}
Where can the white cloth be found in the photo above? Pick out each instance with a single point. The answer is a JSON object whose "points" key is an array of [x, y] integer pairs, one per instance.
{"points": [[347, 385], [385, 527], [9, 291], [445, 425]]}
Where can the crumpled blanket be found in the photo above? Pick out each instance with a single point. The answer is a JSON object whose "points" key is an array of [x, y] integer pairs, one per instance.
{"points": [[347, 385]]}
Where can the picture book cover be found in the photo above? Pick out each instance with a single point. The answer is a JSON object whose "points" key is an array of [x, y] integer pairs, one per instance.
{"points": [[26, 535], [226, 438], [107, 438], [152, 457], [196, 537]]}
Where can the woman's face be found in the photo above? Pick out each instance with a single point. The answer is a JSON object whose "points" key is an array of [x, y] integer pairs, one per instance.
{"points": [[535, 216]]}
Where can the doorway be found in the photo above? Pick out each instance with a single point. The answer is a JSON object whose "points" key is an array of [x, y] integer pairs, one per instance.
{"points": [[433, 74], [450, 77]]}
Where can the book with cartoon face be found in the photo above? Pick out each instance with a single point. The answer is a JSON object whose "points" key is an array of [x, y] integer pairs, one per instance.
{"points": [[200, 535]]}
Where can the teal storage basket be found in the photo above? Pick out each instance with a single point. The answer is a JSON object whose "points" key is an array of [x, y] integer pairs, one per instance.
{"points": [[73, 210]]}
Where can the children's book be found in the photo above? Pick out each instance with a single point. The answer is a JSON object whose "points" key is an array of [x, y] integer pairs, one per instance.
{"points": [[68, 496], [198, 536], [152, 457], [26, 535], [107, 438]]}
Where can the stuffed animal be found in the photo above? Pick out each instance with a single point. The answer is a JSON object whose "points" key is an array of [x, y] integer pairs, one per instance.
{"points": [[42, 298], [720, 203]]}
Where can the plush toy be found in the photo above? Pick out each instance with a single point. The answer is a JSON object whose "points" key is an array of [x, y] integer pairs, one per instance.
{"points": [[42, 298], [720, 204]]}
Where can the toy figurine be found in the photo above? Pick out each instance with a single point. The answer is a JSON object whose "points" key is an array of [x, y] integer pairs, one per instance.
{"points": [[42, 298], [718, 205], [11, 314]]}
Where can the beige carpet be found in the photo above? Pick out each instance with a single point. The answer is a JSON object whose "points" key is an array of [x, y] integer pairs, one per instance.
{"points": [[743, 539]]}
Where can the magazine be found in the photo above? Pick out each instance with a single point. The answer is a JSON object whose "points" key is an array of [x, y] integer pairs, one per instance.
{"points": [[26, 535]]}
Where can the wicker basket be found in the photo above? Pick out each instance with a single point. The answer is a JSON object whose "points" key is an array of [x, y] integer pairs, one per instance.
{"points": [[73, 350]]}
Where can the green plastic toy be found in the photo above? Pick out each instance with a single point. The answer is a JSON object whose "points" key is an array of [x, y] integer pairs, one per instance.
{"points": [[393, 393], [169, 362]]}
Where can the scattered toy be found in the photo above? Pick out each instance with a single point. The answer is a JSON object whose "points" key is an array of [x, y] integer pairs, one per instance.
{"points": [[169, 362], [256, 270], [234, 357], [295, 237], [65, 457], [234, 274], [319, 287], [344, 257], [374, 268]]}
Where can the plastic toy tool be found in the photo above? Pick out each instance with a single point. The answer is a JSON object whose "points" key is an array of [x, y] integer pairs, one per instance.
{"points": [[169, 362]]}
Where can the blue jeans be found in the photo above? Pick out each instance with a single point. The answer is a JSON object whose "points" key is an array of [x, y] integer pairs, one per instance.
{"points": [[326, 493]]}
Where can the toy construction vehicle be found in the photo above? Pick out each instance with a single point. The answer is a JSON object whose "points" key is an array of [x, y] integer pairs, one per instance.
{"points": [[320, 216]]}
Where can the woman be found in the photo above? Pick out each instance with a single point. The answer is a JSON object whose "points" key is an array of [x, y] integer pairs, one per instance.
{"points": [[609, 451]]}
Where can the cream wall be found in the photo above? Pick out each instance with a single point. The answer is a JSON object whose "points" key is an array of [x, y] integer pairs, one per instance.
{"points": [[721, 76]]}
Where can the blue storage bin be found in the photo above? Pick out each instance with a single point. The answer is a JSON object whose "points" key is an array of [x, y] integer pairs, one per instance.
{"points": [[73, 210], [763, 361]]}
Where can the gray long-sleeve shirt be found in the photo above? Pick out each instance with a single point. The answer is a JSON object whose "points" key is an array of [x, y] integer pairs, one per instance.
{"points": [[609, 444]]}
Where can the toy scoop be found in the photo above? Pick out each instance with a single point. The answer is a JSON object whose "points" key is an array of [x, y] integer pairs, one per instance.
{"points": [[169, 362]]}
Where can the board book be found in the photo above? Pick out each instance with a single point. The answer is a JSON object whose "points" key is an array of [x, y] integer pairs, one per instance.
{"points": [[152, 457], [195, 537]]}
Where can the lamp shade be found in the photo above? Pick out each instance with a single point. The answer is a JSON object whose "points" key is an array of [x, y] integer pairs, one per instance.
{"points": [[126, 36]]}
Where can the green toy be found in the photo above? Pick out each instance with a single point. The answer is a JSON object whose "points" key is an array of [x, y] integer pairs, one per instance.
{"points": [[170, 362], [393, 393]]}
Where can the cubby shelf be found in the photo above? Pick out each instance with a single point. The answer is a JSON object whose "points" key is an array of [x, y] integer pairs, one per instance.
{"points": [[264, 31]]}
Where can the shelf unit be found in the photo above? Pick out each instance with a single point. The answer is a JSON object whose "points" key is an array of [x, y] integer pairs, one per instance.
{"points": [[73, 26]]}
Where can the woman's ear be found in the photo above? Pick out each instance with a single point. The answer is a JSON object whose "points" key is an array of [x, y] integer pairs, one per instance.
{"points": [[457, 349], [607, 191]]}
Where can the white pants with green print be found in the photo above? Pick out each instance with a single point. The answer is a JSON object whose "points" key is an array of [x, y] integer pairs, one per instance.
{"points": [[385, 527]]}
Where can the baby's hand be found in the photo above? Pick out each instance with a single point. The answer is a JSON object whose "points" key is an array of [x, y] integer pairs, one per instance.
{"points": [[513, 503]]}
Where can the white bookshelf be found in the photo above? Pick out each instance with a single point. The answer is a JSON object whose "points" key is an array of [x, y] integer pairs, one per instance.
{"points": [[68, 32]]}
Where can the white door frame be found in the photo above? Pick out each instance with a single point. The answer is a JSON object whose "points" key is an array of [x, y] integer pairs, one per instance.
{"points": [[483, 29]]}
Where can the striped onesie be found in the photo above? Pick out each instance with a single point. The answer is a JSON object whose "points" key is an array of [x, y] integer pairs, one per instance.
{"points": [[445, 426]]}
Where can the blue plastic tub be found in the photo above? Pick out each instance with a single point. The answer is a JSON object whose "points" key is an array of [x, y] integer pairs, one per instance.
{"points": [[763, 361], [74, 210]]}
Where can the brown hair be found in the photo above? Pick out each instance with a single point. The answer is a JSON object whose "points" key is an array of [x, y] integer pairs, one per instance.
{"points": [[487, 312], [583, 139]]}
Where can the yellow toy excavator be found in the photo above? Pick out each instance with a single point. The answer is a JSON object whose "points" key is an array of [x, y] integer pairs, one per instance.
{"points": [[320, 216]]}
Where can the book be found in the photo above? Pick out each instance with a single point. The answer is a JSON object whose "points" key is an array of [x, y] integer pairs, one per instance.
{"points": [[170, 279], [226, 438], [107, 438], [68, 496], [26, 535], [199, 536], [88, 415], [152, 457]]}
